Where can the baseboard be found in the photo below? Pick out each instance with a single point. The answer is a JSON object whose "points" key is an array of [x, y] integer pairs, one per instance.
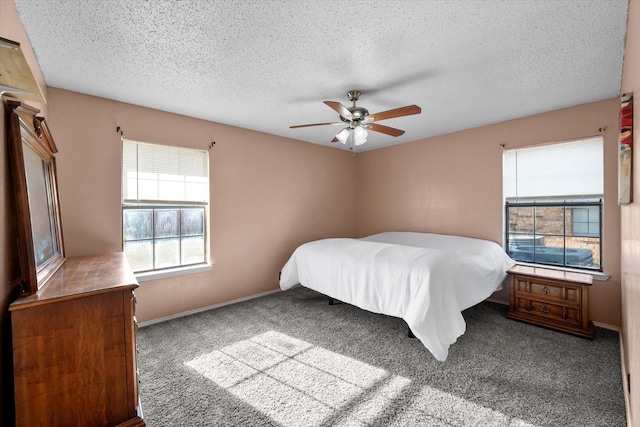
{"points": [[498, 301], [200, 310], [625, 383], [607, 326]]}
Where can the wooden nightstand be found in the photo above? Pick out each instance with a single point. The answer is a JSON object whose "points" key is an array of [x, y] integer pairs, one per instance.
{"points": [[551, 298]]}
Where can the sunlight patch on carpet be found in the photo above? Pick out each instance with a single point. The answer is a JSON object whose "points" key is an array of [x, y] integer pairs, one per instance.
{"points": [[296, 383]]}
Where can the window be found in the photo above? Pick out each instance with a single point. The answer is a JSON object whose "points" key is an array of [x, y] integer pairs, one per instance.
{"points": [[553, 204], [585, 221], [165, 194]]}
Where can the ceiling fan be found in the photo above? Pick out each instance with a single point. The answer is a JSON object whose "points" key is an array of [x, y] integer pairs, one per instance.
{"points": [[358, 120]]}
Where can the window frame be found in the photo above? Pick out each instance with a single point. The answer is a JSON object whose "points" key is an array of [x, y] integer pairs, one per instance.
{"points": [[160, 204], [564, 204]]}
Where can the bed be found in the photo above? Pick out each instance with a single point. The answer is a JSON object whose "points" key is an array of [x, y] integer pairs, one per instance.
{"points": [[426, 279]]}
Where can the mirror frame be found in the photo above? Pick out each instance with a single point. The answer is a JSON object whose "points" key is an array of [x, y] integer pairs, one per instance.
{"points": [[25, 131]]}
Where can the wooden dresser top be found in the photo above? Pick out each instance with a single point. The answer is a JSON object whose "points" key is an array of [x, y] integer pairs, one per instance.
{"points": [[80, 276]]}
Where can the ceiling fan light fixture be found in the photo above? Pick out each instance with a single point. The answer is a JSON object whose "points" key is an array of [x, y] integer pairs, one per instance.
{"points": [[360, 135], [343, 135], [358, 121]]}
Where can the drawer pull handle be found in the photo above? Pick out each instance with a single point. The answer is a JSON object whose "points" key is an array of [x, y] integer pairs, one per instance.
{"points": [[545, 290], [545, 308]]}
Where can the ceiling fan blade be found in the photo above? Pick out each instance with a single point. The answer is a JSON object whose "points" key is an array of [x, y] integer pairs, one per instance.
{"points": [[335, 139], [397, 112], [312, 124], [384, 129], [341, 109]]}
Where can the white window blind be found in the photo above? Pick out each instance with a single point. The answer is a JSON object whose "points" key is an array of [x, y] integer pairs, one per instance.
{"points": [[564, 170], [152, 172]]}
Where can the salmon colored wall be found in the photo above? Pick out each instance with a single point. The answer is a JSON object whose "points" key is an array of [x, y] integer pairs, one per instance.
{"points": [[630, 219], [452, 184], [268, 194], [10, 28]]}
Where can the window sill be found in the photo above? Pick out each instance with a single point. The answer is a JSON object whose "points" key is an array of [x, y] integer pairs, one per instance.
{"points": [[172, 272], [597, 275]]}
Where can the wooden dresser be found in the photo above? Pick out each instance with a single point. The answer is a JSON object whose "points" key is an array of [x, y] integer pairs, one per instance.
{"points": [[551, 298], [74, 347]]}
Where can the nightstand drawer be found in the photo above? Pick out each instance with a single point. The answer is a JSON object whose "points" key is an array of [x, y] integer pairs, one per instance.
{"points": [[565, 314], [548, 291], [560, 293]]}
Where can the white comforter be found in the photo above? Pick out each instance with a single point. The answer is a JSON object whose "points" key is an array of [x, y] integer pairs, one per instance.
{"points": [[426, 279]]}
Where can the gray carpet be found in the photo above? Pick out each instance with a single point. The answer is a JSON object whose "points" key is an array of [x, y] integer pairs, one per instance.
{"points": [[289, 359]]}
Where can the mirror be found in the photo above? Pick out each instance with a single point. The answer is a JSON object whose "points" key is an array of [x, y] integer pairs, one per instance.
{"points": [[33, 169]]}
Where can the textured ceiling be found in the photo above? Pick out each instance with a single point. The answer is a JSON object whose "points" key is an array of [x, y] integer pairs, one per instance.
{"points": [[266, 65]]}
